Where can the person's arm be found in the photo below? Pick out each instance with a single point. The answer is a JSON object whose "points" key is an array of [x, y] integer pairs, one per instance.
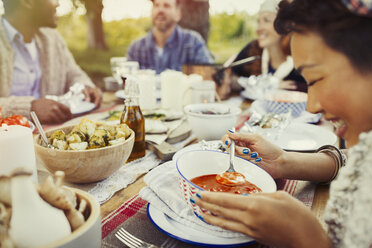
{"points": [[318, 167], [47, 111], [131, 53], [16, 105], [74, 74]]}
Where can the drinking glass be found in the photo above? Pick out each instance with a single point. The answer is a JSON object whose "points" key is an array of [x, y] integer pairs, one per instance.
{"points": [[116, 64]]}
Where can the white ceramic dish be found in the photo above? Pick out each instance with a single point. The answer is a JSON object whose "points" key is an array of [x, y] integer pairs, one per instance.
{"points": [[303, 137], [205, 162], [211, 126], [189, 235], [82, 107]]}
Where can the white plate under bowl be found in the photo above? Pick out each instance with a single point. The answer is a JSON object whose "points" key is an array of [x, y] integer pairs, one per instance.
{"points": [[82, 107], [189, 235], [303, 137]]}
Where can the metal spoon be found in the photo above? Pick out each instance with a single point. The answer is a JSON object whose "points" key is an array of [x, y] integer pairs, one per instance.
{"points": [[231, 177], [41, 131]]}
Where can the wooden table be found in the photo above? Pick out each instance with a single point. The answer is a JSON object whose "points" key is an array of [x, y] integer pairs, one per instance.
{"points": [[319, 203]]}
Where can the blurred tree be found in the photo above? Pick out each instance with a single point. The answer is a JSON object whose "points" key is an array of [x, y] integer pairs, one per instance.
{"points": [[195, 16], [95, 35]]}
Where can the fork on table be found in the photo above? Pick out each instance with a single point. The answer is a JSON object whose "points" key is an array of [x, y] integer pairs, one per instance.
{"points": [[131, 241], [134, 242]]}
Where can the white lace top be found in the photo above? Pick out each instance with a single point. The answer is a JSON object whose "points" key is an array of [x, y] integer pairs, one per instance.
{"points": [[349, 210]]}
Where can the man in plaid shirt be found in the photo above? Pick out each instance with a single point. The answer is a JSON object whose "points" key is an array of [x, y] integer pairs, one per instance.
{"points": [[168, 46]]}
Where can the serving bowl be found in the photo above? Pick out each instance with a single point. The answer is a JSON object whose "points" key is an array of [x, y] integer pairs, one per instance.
{"points": [[210, 121], [283, 101], [205, 162], [84, 166], [87, 235]]}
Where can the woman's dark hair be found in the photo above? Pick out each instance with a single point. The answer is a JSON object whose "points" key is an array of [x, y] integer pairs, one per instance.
{"points": [[340, 29]]}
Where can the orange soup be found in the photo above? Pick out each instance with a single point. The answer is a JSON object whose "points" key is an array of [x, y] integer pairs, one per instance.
{"points": [[209, 183]]}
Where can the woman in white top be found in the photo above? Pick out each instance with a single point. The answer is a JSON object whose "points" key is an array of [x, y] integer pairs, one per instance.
{"points": [[331, 46], [274, 52]]}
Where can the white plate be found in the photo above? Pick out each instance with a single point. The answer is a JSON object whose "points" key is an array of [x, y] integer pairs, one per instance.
{"points": [[82, 107], [303, 137], [186, 234]]}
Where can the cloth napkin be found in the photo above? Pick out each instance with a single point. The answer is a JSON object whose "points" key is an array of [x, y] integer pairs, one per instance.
{"points": [[164, 193]]}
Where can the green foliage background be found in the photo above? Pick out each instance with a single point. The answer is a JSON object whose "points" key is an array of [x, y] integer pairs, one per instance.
{"points": [[228, 34]]}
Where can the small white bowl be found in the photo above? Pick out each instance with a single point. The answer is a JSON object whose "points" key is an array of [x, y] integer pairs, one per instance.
{"points": [[211, 126], [203, 162]]}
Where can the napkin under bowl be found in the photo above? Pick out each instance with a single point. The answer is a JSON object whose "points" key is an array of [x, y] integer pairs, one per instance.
{"points": [[165, 194], [205, 162]]}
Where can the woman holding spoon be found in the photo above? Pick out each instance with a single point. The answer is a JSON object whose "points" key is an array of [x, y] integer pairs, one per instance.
{"points": [[330, 43]]}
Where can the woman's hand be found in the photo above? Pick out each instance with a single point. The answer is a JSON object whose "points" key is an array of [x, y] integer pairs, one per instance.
{"points": [[288, 85], [93, 95], [255, 148], [50, 112], [271, 218]]}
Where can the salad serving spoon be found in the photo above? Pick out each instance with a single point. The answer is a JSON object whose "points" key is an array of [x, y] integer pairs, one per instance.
{"points": [[40, 128]]}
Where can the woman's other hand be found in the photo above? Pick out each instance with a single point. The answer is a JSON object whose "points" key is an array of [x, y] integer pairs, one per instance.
{"points": [[257, 149], [271, 218], [288, 85], [93, 95], [50, 112]]}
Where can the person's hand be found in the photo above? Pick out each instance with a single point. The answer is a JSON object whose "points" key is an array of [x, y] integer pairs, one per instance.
{"points": [[257, 149], [93, 95], [271, 218], [50, 112], [288, 85]]}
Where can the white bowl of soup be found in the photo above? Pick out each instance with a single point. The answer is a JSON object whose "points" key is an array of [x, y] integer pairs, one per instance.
{"points": [[198, 168]]}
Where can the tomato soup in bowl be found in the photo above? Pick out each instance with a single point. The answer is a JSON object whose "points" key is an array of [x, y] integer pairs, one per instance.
{"points": [[198, 168]]}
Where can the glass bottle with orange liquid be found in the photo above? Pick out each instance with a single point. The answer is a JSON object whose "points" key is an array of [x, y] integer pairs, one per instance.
{"points": [[132, 116]]}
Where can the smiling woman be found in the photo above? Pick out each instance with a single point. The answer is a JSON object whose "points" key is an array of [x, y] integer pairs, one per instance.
{"points": [[330, 45]]}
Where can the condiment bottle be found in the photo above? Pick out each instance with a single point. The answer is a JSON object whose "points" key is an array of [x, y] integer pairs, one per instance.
{"points": [[132, 116]]}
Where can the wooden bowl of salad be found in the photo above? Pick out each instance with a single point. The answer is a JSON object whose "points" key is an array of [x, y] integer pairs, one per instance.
{"points": [[84, 152]]}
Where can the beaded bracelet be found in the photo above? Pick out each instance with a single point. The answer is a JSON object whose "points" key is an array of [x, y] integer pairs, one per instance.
{"points": [[337, 155]]}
